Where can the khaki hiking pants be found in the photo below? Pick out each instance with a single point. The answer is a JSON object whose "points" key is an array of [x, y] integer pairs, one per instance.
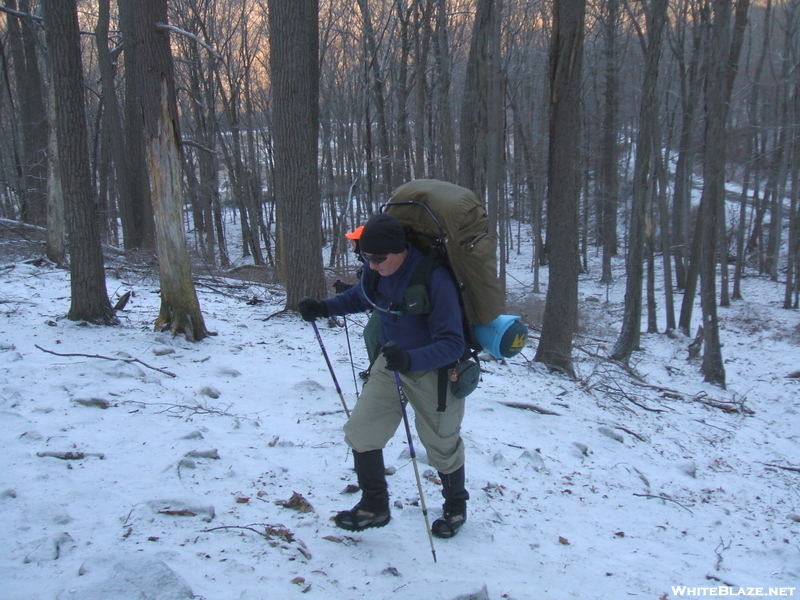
{"points": [[377, 414]]}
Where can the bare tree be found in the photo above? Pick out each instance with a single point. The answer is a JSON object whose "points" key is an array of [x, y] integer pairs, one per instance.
{"points": [[723, 65], [629, 337], [608, 167], [180, 308], [377, 87], [32, 113], [474, 110], [294, 49], [89, 298], [140, 212], [564, 186], [131, 237]]}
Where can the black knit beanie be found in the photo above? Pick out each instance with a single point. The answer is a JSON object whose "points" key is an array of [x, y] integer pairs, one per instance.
{"points": [[383, 234]]}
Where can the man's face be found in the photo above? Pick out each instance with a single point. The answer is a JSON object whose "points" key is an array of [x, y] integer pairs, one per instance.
{"points": [[388, 265]]}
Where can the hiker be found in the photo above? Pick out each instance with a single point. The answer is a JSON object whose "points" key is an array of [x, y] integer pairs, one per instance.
{"points": [[420, 348]]}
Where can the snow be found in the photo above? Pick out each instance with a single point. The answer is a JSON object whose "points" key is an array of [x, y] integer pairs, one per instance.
{"points": [[197, 456]]}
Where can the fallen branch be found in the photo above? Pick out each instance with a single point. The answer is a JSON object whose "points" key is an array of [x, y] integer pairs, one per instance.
{"points": [[728, 407], [638, 436], [533, 407], [785, 468], [270, 533], [70, 455], [127, 360], [663, 498], [196, 409]]}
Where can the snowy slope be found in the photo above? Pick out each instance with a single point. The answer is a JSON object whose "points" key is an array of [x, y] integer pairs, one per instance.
{"points": [[197, 457]]}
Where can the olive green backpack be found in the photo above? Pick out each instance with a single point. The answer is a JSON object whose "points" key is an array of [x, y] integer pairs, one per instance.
{"points": [[450, 221], [450, 225]]}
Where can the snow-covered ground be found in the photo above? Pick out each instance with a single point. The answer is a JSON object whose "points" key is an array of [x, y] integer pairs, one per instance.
{"points": [[138, 465]]}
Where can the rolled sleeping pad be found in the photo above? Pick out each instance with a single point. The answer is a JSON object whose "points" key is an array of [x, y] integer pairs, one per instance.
{"points": [[504, 337]]}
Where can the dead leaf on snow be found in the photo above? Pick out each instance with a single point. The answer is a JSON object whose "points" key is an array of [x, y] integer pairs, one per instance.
{"points": [[296, 502], [563, 540]]}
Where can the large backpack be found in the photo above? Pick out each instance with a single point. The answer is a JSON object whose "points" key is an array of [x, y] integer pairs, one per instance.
{"points": [[448, 219], [449, 224]]}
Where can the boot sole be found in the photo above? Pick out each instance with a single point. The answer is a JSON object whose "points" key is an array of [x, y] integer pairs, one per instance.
{"points": [[370, 525]]}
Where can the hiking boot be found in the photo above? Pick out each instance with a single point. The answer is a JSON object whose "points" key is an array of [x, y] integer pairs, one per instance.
{"points": [[450, 522], [454, 509], [373, 509], [359, 519]]}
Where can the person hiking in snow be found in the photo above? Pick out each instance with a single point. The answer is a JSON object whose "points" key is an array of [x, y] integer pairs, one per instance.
{"points": [[421, 348]]}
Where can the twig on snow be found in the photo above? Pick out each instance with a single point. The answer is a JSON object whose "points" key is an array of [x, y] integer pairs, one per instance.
{"points": [[533, 407], [663, 498], [127, 360], [785, 468]]}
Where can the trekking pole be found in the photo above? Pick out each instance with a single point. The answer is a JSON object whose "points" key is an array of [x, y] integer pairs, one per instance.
{"points": [[330, 368], [350, 352], [414, 459]]}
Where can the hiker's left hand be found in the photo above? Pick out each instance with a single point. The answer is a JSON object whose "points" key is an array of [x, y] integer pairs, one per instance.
{"points": [[397, 359]]}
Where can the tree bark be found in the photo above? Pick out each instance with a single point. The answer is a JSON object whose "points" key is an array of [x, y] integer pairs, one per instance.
{"points": [[142, 236], [33, 114], [608, 167], [180, 308], [377, 87], [116, 136], [474, 137], [89, 298], [564, 186], [629, 337], [294, 65]]}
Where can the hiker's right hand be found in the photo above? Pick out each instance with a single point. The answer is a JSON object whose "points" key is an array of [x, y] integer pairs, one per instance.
{"points": [[340, 286], [311, 309]]}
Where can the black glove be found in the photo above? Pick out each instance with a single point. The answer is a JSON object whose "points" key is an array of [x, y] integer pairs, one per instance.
{"points": [[340, 286], [311, 309], [397, 359]]}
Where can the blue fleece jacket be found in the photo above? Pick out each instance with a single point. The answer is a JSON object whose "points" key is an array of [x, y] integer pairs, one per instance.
{"points": [[433, 340]]}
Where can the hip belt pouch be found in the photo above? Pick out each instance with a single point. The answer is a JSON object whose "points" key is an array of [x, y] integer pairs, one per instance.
{"points": [[464, 378]]}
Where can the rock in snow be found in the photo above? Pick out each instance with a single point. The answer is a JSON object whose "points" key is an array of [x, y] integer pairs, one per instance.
{"points": [[126, 577]]}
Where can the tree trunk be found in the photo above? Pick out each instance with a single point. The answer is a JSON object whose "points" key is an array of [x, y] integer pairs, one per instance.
{"points": [[142, 235], [445, 119], [608, 176], [89, 298], [293, 28], [564, 186], [180, 308], [663, 211], [56, 219], [377, 87], [690, 82], [113, 125], [628, 340], [474, 110], [33, 114]]}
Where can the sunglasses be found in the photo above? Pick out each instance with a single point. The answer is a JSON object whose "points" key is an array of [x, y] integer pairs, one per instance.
{"points": [[375, 259]]}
